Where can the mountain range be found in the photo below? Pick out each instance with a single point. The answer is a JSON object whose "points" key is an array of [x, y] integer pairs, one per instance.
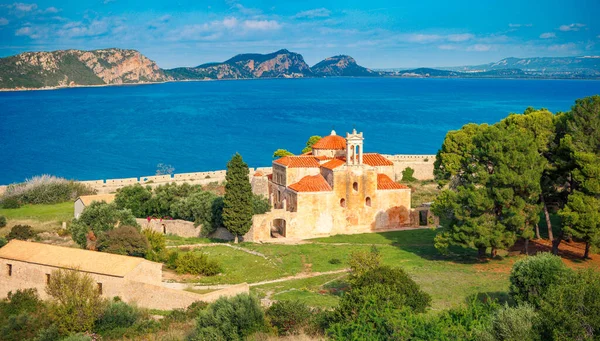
{"points": [[68, 68]]}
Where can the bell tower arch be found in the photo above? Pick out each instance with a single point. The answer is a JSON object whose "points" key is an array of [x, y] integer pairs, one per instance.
{"points": [[354, 148]]}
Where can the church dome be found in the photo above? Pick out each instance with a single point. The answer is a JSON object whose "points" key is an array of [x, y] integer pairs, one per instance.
{"points": [[332, 142]]}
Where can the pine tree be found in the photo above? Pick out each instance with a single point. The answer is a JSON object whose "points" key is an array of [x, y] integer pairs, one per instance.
{"points": [[237, 203]]}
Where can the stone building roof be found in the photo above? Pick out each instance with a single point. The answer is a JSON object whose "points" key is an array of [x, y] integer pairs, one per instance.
{"points": [[376, 159], [88, 199], [333, 164], [299, 161], [332, 141], [311, 183], [70, 258], [384, 182]]}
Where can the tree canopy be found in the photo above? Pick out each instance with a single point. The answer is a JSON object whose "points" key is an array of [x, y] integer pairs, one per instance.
{"points": [[237, 202]]}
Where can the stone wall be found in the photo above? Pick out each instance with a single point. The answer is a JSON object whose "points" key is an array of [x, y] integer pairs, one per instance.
{"points": [[150, 295], [177, 227], [422, 165]]}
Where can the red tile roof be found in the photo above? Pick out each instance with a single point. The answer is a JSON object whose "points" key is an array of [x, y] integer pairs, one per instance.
{"points": [[259, 173], [300, 161], [376, 159], [333, 164], [322, 157], [311, 183], [331, 142], [384, 182]]}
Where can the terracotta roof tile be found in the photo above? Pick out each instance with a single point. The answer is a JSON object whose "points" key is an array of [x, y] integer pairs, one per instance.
{"points": [[333, 164], [376, 159], [331, 142], [311, 183], [299, 161], [384, 182], [259, 173]]}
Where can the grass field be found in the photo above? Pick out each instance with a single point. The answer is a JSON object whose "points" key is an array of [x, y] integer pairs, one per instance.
{"points": [[57, 212]]}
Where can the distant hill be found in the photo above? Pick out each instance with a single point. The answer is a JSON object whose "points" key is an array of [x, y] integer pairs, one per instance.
{"points": [[562, 67], [64, 68], [280, 64], [341, 66]]}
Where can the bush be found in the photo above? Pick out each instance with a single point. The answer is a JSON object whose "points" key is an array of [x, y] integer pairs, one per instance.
{"points": [[197, 207], [117, 315], [335, 261], [363, 261], [531, 277], [570, 309], [196, 264], [512, 324], [2, 221], [20, 232], [289, 317], [99, 217], [3, 241], [229, 319], [260, 204], [20, 301], [78, 337], [407, 175], [158, 245], [135, 198], [76, 301], [10, 202], [22, 315], [125, 240], [45, 189], [165, 196]]}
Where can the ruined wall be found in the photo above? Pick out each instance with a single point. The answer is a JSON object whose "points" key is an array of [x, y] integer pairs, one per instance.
{"points": [[422, 164], [150, 295], [177, 227], [260, 185]]}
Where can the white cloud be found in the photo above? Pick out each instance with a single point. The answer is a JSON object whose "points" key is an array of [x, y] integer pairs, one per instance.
{"points": [[262, 25], [314, 13], [460, 37], [519, 25], [562, 47], [548, 35], [422, 38], [447, 47], [479, 48], [3, 21], [22, 7], [230, 22], [571, 27], [51, 10], [32, 32]]}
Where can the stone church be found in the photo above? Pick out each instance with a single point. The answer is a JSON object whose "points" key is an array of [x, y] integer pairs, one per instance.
{"points": [[336, 188]]}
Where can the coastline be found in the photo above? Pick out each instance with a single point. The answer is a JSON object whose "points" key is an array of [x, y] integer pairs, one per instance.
{"points": [[48, 88]]}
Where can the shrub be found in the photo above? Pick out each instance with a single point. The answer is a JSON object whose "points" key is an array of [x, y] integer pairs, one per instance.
{"points": [[289, 317], [197, 207], [407, 175], [76, 302], [134, 198], [20, 232], [165, 196], [570, 309], [158, 245], [10, 202], [335, 261], [511, 324], [531, 277], [99, 217], [78, 337], [20, 301], [260, 204], [117, 315], [196, 263], [2, 221], [229, 319], [46, 189], [363, 261], [125, 240], [3, 241]]}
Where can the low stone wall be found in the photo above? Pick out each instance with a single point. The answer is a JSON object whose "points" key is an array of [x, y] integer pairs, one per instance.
{"points": [[176, 227], [421, 164], [159, 297]]}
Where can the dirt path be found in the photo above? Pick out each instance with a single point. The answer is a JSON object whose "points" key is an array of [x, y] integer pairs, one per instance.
{"points": [[303, 275], [193, 246]]}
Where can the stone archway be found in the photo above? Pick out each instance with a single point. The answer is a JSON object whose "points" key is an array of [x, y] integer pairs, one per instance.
{"points": [[278, 228]]}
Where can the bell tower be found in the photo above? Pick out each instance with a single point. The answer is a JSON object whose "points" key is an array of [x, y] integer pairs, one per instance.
{"points": [[354, 148]]}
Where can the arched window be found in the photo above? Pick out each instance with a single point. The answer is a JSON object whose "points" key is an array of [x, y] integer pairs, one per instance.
{"points": [[343, 202], [355, 186], [368, 201]]}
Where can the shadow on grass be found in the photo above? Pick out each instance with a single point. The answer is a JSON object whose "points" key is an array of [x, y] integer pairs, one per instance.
{"points": [[421, 243]]}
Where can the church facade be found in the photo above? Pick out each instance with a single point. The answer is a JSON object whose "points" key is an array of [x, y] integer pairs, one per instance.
{"points": [[336, 188]]}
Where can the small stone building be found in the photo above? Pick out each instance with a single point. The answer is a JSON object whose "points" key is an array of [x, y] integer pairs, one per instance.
{"points": [[135, 280], [336, 188], [85, 200]]}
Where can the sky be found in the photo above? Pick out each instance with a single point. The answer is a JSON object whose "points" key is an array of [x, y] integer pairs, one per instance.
{"points": [[378, 34]]}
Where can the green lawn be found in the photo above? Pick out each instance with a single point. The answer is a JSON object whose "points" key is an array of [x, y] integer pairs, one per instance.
{"points": [[56, 212]]}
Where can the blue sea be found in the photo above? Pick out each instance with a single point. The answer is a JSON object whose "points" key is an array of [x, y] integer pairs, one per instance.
{"points": [[125, 131]]}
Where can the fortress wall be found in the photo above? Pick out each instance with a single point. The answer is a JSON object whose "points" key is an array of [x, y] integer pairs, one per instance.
{"points": [[421, 164], [124, 182], [177, 227], [156, 178]]}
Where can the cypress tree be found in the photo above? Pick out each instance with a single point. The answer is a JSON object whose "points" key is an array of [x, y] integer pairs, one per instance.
{"points": [[237, 202]]}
